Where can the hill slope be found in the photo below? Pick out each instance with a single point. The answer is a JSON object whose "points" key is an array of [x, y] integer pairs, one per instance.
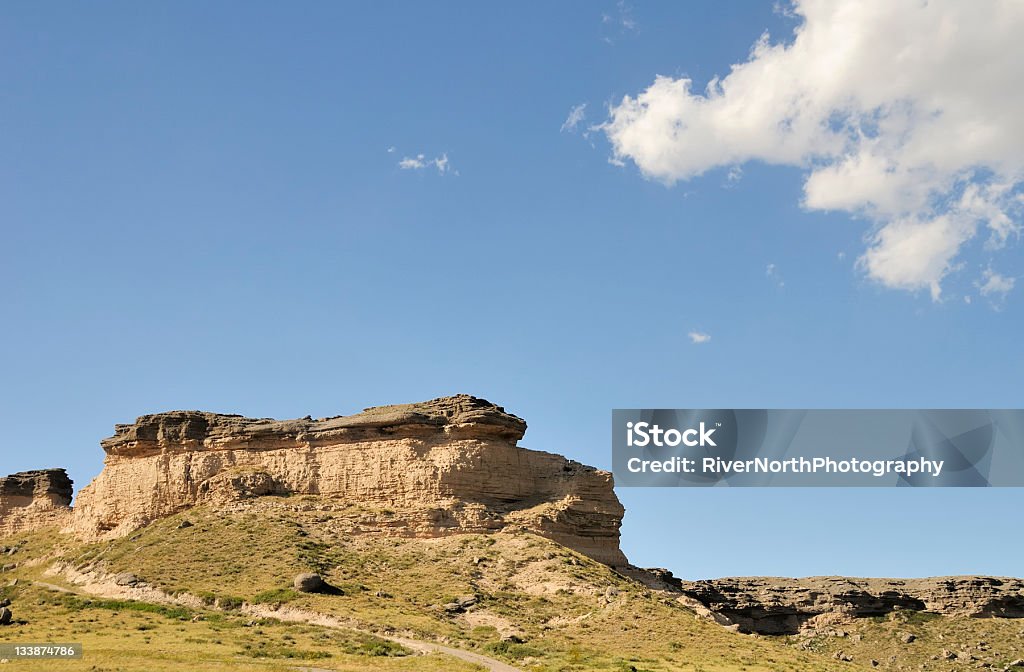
{"points": [[511, 596]]}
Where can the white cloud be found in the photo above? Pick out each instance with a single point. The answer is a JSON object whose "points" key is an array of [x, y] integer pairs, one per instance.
{"points": [[771, 272], [912, 253], [995, 285], [907, 113], [412, 163], [420, 161], [620, 20], [441, 163], [576, 115], [625, 15], [698, 337]]}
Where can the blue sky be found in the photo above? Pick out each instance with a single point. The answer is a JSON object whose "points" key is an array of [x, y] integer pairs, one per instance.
{"points": [[199, 209]]}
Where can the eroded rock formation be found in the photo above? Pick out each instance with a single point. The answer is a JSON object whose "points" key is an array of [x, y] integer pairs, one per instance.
{"points": [[445, 466], [30, 499], [785, 606]]}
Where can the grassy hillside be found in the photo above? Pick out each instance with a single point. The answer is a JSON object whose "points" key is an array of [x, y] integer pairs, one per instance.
{"points": [[119, 634], [938, 643], [527, 601]]}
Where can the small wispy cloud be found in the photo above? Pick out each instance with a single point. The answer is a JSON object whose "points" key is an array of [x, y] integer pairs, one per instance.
{"points": [[771, 272], [995, 287], [995, 284], [413, 163], [576, 115], [420, 161], [620, 20], [699, 337], [734, 175]]}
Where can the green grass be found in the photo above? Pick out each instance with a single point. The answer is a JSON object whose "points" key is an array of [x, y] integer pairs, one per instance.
{"points": [[540, 606], [551, 597], [880, 639], [275, 596], [76, 603], [129, 635], [913, 617], [512, 650]]}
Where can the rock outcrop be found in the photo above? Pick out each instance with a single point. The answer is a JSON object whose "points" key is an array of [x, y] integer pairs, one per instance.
{"points": [[785, 606], [31, 499], [445, 466]]}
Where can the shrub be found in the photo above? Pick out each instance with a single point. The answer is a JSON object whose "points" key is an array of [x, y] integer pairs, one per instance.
{"points": [[230, 602], [75, 603], [382, 647], [275, 596], [512, 650]]}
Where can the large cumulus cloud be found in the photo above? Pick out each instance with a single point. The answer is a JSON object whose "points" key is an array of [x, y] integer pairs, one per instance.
{"points": [[907, 113]]}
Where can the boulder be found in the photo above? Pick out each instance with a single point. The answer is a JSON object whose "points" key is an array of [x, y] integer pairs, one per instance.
{"points": [[461, 604], [309, 583]]}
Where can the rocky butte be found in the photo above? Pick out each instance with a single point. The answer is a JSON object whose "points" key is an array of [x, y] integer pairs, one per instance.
{"points": [[32, 499], [445, 466]]}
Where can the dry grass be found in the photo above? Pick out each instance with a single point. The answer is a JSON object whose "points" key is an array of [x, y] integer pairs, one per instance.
{"points": [[131, 635], [565, 612], [569, 612], [979, 643]]}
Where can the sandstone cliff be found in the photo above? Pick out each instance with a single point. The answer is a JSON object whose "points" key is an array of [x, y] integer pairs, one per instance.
{"points": [[30, 499], [446, 466], [785, 606]]}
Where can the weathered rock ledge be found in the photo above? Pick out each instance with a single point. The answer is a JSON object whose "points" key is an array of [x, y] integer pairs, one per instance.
{"points": [[444, 466], [448, 418], [769, 605], [29, 499]]}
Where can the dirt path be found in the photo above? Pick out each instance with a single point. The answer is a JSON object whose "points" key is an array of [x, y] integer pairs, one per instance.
{"points": [[291, 614], [468, 656], [54, 587], [295, 615], [429, 647]]}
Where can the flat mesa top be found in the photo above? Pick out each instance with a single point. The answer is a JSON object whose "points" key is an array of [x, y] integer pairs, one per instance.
{"points": [[471, 416]]}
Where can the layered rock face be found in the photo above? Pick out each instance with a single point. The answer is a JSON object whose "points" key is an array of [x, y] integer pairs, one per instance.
{"points": [[30, 499], [448, 465], [785, 606]]}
